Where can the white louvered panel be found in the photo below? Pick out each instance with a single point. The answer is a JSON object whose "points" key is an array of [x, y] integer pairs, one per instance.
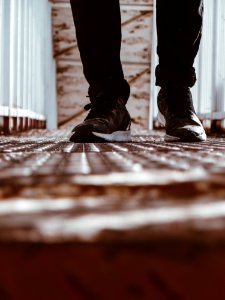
{"points": [[25, 56], [1, 56], [29, 95], [27, 73], [4, 56], [13, 56], [205, 63], [39, 74], [220, 56], [20, 56], [49, 69]]}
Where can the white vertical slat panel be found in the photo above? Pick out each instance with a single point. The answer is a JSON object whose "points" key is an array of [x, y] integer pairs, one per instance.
{"points": [[220, 57], [210, 65], [13, 58], [35, 79], [50, 71], [203, 90], [44, 55], [215, 60], [37, 61], [32, 58], [29, 98], [41, 58], [20, 56], [4, 54], [27, 67], [1, 53], [25, 56]]}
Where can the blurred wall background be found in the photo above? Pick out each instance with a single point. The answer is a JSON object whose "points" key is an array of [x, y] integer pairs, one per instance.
{"points": [[137, 18]]}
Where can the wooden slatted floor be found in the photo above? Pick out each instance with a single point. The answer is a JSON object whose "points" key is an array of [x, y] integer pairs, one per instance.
{"points": [[139, 220]]}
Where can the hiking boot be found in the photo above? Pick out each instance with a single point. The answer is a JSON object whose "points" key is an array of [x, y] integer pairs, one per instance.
{"points": [[107, 121], [177, 114]]}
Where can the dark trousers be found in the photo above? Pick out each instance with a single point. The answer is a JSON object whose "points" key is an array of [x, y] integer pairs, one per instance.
{"points": [[98, 31]]}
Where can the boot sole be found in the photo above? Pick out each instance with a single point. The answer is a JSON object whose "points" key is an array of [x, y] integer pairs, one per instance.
{"points": [[116, 136], [97, 137], [169, 138]]}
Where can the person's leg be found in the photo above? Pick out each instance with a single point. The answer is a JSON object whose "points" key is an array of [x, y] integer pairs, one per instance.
{"points": [[98, 32], [179, 29]]}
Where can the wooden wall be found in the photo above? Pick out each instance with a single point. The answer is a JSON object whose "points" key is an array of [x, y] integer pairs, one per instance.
{"points": [[135, 54]]}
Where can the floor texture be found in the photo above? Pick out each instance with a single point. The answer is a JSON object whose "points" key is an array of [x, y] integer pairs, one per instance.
{"points": [[139, 220]]}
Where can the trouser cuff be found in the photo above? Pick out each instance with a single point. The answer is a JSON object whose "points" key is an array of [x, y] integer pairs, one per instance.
{"points": [[175, 76]]}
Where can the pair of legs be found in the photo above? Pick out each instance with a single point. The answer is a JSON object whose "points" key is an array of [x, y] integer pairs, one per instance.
{"points": [[98, 31]]}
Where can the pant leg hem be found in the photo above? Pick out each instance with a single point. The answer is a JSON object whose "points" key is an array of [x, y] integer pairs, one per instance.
{"points": [[166, 76]]}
